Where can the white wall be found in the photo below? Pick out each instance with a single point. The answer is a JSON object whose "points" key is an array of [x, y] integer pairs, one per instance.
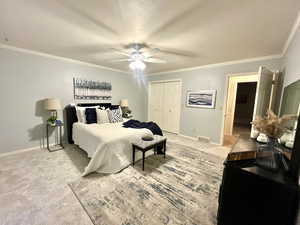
{"points": [[291, 61], [209, 122], [27, 79]]}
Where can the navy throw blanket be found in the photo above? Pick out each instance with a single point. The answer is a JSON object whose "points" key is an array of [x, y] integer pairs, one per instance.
{"points": [[155, 129]]}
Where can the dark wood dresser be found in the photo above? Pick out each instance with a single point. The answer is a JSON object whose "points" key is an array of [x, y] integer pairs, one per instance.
{"points": [[250, 195]]}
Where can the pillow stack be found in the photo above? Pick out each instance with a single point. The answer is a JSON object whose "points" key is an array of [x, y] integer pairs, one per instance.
{"points": [[98, 115]]}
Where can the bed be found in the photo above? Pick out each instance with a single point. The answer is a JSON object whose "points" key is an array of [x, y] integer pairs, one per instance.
{"points": [[108, 145]]}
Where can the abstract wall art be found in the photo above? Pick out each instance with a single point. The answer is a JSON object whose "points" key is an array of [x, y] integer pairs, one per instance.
{"points": [[91, 90]]}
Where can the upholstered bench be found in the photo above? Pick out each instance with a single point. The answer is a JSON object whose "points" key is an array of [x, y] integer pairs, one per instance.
{"points": [[145, 146]]}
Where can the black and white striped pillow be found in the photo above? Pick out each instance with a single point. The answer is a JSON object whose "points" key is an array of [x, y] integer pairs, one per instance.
{"points": [[115, 115]]}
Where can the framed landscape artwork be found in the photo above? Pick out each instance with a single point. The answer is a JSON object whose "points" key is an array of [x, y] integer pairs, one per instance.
{"points": [[201, 99]]}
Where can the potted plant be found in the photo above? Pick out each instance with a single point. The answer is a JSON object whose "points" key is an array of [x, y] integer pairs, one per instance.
{"points": [[52, 120], [274, 127]]}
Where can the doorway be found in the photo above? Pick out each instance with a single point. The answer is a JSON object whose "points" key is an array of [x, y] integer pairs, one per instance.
{"points": [[266, 86], [239, 107], [244, 107]]}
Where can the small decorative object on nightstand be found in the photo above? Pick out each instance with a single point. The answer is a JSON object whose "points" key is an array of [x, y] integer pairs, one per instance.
{"points": [[126, 112], [144, 146], [58, 124]]}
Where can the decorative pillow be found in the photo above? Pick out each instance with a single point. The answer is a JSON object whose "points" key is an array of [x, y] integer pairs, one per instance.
{"points": [[91, 116], [115, 115], [102, 116], [80, 113]]}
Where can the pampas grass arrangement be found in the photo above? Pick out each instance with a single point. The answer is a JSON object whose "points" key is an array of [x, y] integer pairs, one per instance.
{"points": [[272, 125]]}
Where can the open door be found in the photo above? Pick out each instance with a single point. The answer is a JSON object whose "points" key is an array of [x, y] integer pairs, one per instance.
{"points": [[230, 106], [265, 94], [274, 92]]}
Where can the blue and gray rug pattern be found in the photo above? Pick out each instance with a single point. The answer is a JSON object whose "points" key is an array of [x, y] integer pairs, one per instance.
{"points": [[181, 189]]}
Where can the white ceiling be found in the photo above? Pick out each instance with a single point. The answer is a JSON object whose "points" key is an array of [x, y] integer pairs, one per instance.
{"points": [[213, 31]]}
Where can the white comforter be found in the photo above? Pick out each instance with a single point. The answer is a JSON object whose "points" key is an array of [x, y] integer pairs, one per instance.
{"points": [[108, 145]]}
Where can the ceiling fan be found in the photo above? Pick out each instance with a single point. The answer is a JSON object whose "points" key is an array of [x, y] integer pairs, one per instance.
{"points": [[138, 54]]}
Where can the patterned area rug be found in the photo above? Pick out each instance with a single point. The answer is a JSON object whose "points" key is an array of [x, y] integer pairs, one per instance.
{"points": [[180, 189]]}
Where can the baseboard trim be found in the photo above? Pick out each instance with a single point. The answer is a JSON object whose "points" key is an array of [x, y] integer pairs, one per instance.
{"points": [[189, 137], [18, 151], [199, 138], [216, 143]]}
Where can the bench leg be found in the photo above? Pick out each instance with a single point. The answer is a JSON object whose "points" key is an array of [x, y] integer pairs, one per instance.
{"points": [[165, 148], [133, 155], [143, 160]]}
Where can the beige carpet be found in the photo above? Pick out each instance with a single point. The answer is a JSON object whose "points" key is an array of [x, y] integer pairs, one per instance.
{"points": [[181, 189], [34, 184]]}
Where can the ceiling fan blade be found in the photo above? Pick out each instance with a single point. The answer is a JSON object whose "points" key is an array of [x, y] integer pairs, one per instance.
{"points": [[170, 52], [154, 60], [120, 51], [120, 60], [157, 50]]}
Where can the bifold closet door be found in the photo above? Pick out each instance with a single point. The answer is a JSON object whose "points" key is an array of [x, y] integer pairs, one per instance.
{"points": [[156, 103], [165, 101], [171, 106]]}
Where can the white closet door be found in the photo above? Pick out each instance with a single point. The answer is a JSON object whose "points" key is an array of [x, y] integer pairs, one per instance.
{"points": [[156, 103], [171, 107], [165, 103]]}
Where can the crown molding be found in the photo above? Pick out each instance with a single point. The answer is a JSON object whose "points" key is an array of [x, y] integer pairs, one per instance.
{"points": [[292, 35], [10, 47], [219, 64]]}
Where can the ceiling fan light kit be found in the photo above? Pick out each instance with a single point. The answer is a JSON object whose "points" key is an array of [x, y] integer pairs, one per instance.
{"points": [[137, 65], [138, 54]]}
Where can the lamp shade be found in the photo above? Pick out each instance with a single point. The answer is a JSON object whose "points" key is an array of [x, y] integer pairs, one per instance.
{"points": [[124, 103], [52, 104]]}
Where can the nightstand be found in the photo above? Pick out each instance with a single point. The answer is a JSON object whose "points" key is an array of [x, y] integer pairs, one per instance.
{"points": [[55, 126]]}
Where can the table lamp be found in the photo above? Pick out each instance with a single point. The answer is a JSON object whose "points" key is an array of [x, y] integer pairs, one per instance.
{"points": [[126, 112], [52, 104]]}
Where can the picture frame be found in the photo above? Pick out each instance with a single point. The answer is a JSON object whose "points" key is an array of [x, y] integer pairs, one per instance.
{"points": [[90, 90], [201, 99]]}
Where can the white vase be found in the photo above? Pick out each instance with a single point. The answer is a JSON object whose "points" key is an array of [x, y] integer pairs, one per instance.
{"points": [[289, 144], [254, 133], [263, 138], [284, 138]]}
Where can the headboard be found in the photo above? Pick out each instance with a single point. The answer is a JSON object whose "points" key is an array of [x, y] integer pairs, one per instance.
{"points": [[71, 117]]}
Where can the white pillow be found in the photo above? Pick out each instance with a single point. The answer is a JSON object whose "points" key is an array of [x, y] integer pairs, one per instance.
{"points": [[80, 113], [102, 116]]}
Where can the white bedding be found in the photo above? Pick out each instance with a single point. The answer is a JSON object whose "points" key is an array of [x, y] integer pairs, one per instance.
{"points": [[108, 145]]}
